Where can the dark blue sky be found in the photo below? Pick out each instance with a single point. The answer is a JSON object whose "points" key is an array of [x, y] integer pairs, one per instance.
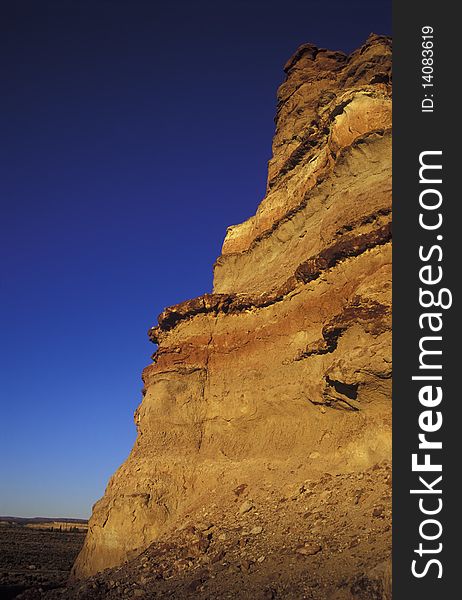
{"points": [[132, 134]]}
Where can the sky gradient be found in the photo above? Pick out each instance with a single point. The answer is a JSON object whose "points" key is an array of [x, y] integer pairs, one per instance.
{"points": [[133, 133]]}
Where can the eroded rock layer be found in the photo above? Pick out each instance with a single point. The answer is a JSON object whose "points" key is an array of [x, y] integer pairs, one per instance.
{"points": [[284, 371]]}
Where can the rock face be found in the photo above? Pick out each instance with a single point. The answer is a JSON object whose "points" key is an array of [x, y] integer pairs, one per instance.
{"points": [[284, 371]]}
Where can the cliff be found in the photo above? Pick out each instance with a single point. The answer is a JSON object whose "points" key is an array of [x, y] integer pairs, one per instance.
{"points": [[283, 373]]}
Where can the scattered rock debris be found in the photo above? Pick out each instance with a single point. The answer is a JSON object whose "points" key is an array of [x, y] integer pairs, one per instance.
{"points": [[317, 546]]}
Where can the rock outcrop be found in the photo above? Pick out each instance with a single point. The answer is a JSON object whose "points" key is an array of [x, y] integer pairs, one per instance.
{"points": [[284, 371]]}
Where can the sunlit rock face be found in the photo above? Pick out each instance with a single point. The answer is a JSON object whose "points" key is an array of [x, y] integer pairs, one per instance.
{"points": [[286, 367]]}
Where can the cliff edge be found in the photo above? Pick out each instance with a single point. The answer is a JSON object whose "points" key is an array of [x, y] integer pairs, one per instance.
{"points": [[283, 373]]}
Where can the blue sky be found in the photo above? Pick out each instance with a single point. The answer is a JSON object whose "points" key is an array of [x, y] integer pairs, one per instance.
{"points": [[133, 133]]}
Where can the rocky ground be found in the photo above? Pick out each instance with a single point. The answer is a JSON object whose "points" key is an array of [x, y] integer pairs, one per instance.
{"points": [[35, 558], [327, 538]]}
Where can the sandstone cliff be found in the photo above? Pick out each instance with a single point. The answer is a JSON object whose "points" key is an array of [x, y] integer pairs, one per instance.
{"points": [[284, 371]]}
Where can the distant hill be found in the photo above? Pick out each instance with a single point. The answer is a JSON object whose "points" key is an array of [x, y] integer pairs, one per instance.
{"points": [[26, 520]]}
